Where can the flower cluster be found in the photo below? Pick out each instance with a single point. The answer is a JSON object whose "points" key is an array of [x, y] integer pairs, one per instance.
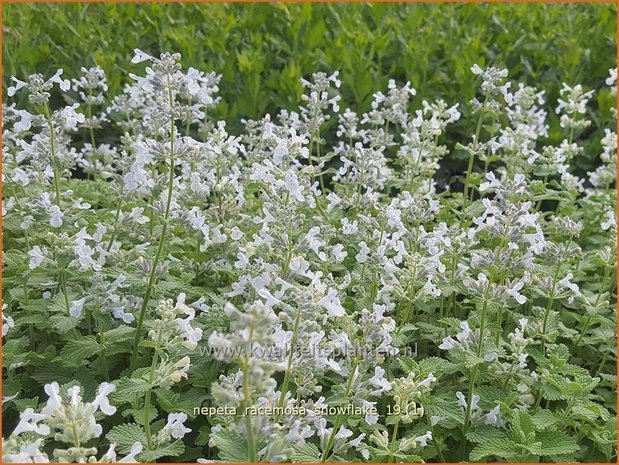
{"points": [[316, 282]]}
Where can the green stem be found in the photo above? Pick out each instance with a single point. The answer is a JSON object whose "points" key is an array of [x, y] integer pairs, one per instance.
{"points": [[338, 418], [552, 296], [597, 300], [52, 147], [116, 218], [394, 439], [465, 195], [251, 440], [438, 450], [539, 202], [599, 370], [293, 343], [147, 397], [480, 343], [162, 240]]}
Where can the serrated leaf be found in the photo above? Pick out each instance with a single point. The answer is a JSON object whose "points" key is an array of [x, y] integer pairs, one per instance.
{"points": [[471, 360], [500, 447], [14, 259], [138, 415], [118, 335], [433, 365], [63, 323], [170, 450], [408, 364], [232, 447], [127, 388], [36, 319], [543, 419], [490, 395], [305, 453], [522, 426], [125, 436], [450, 322], [483, 433], [445, 409], [557, 443], [80, 349], [53, 372]]}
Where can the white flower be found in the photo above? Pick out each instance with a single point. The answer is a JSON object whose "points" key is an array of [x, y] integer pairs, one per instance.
{"points": [[493, 418], [475, 69], [427, 381], [71, 117], [566, 283], [448, 343], [135, 450], [29, 421], [54, 401], [64, 84], [25, 122], [37, 256], [349, 228], [379, 381], [513, 291], [462, 401], [76, 307], [423, 440], [55, 219], [7, 321], [176, 426], [101, 402], [18, 85], [492, 183], [331, 302], [338, 253], [140, 56], [362, 256], [334, 200], [611, 222], [28, 453]]}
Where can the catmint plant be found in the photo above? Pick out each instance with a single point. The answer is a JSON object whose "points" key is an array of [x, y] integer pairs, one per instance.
{"points": [[308, 286]]}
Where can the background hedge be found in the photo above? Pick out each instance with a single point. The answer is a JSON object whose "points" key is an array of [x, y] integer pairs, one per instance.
{"points": [[262, 49]]}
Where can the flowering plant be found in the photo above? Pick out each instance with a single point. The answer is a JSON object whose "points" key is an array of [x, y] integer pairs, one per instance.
{"points": [[270, 296]]}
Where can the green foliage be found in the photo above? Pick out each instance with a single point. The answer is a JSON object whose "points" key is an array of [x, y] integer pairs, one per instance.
{"points": [[542, 378], [262, 49]]}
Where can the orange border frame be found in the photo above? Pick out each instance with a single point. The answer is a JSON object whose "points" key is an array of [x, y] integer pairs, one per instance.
{"points": [[616, 2]]}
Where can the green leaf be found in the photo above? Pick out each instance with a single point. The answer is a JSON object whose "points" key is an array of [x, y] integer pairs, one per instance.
{"points": [[127, 388], [232, 447], [118, 335], [445, 409], [138, 414], [305, 453], [434, 365], [125, 436], [80, 349], [36, 319], [169, 450], [523, 430], [557, 443], [63, 323], [482, 434], [498, 447], [408, 364], [53, 372], [204, 434], [543, 419], [471, 360]]}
